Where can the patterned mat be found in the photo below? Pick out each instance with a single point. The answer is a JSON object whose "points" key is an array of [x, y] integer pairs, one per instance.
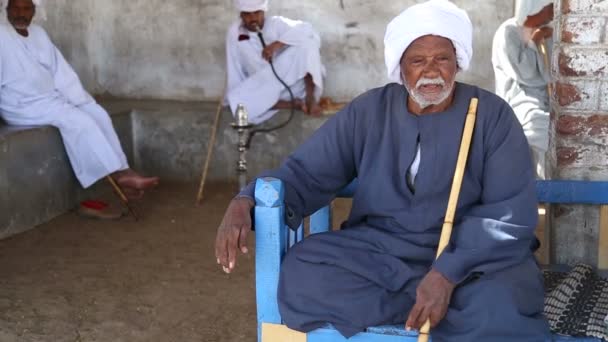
{"points": [[576, 302]]}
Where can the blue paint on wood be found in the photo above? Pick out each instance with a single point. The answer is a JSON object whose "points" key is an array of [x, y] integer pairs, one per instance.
{"points": [[295, 236], [320, 221], [398, 330], [572, 192], [269, 192], [331, 335], [271, 238], [300, 233]]}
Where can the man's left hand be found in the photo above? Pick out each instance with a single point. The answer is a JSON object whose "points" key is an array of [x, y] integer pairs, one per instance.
{"points": [[432, 299], [271, 50]]}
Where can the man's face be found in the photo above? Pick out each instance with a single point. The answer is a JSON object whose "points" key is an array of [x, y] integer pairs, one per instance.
{"points": [[253, 20], [428, 69], [20, 13], [540, 19]]}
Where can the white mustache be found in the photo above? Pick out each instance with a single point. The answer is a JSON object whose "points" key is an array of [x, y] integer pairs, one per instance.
{"points": [[430, 81]]}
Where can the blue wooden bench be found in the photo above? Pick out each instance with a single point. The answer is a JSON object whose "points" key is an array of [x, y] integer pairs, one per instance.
{"points": [[273, 238]]}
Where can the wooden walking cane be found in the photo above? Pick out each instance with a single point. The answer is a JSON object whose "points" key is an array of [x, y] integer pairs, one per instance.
{"points": [[122, 197], [446, 230], [216, 123], [543, 51]]}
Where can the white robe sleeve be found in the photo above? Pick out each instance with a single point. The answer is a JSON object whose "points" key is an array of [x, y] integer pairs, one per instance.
{"points": [[67, 81], [234, 68], [519, 61], [296, 33], [1, 79]]}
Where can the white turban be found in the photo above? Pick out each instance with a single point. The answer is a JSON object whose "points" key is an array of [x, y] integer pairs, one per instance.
{"points": [[40, 12], [251, 5], [434, 17], [526, 8]]}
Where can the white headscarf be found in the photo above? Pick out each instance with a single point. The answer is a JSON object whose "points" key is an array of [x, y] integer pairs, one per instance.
{"points": [[434, 17], [251, 5], [526, 8], [40, 11]]}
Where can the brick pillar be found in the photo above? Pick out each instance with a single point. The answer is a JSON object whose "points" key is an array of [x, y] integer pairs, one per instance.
{"points": [[579, 119]]}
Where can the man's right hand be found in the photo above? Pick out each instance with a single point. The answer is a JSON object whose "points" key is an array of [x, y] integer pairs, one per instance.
{"points": [[271, 50], [232, 233], [541, 34]]}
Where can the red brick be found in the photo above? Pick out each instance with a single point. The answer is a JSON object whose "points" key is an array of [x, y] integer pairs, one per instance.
{"points": [[573, 154], [584, 62], [571, 125], [582, 6], [566, 156], [583, 30], [567, 94], [578, 95], [566, 6], [564, 66], [598, 125], [584, 130]]}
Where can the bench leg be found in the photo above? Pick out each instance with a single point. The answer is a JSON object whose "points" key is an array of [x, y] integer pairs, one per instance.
{"points": [[543, 233], [602, 246]]}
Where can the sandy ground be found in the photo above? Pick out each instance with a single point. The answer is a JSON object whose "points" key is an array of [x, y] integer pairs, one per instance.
{"points": [[75, 279], [80, 280]]}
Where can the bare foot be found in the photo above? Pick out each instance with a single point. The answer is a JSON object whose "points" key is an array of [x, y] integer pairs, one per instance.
{"points": [[131, 179], [312, 107], [133, 194], [288, 104]]}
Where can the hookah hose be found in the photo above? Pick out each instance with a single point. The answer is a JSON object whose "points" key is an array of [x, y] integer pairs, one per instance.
{"points": [[293, 101]]}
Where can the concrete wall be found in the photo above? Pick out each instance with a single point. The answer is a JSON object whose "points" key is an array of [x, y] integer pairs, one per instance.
{"points": [[580, 119], [175, 49], [170, 139]]}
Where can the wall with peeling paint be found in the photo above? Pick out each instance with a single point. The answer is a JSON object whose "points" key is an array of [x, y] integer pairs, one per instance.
{"points": [[580, 120], [175, 49]]}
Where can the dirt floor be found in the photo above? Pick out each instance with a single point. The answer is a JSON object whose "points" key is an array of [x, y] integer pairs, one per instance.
{"points": [[75, 279], [80, 280]]}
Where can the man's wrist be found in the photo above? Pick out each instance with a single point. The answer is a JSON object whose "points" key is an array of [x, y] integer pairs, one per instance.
{"points": [[443, 278], [245, 199]]}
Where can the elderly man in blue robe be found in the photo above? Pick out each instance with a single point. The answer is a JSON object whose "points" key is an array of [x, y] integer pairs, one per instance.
{"points": [[401, 142], [38, 87]]}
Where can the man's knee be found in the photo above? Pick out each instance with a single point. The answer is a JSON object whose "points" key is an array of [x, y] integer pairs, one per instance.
{"points": [[76, 121], [496, 307], [305, 260]]}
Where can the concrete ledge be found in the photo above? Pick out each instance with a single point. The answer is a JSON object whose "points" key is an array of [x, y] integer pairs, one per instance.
{"points": [[164, 138], [36, 181], [171, 138]]}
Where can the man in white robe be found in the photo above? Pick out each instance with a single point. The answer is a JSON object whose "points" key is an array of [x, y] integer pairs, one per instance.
{"points": [[38, 87], [293, 46], [521, 73]]}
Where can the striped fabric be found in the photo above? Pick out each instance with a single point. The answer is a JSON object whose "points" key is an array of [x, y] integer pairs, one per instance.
{"points": [[576, 302]]}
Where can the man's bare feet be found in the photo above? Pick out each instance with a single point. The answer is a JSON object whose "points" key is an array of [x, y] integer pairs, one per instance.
{"points": [[133, 194], [281, 104], [311, 106], [131, 179]]}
